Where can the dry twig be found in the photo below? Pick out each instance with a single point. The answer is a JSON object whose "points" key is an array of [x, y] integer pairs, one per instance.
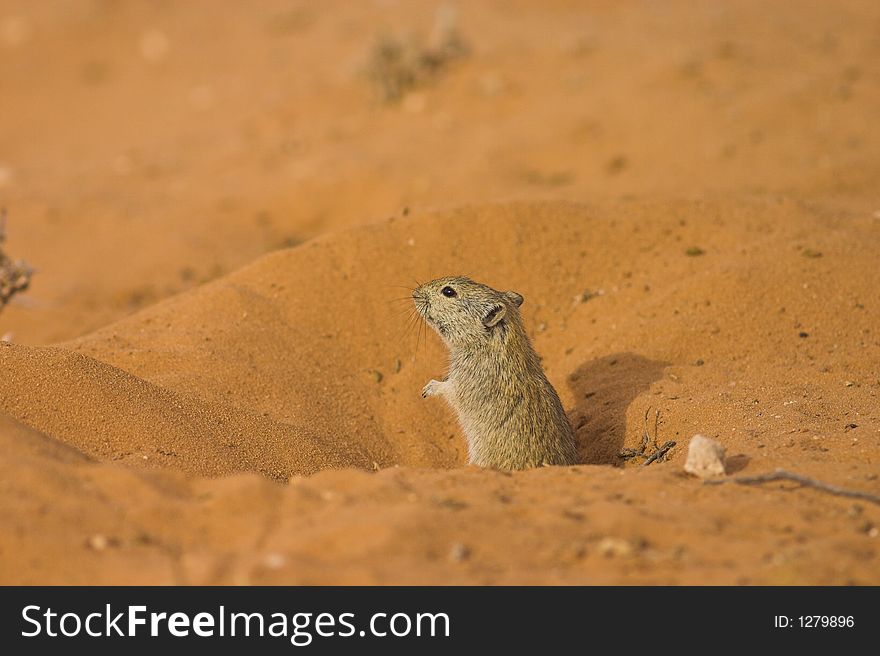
{"points": [[782, 475], [659, 452]]}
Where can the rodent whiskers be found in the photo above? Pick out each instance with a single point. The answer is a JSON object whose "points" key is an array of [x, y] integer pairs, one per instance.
{"points": [[413, 320]]}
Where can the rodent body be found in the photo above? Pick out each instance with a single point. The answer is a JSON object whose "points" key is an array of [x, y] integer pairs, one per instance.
{"points": [[511, 416]]}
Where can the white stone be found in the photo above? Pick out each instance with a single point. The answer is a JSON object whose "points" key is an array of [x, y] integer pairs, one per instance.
{"points": [[705, 457], [274, 561], [611, 547], [98, 542]]}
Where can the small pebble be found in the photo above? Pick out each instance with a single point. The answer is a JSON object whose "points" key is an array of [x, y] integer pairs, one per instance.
{"points": [[610, 547], [705, 457], [274, 561], [98, 542], [459, 552]]}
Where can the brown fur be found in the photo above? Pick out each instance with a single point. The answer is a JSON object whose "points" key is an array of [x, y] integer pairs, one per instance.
{"points": [[509, 412]]}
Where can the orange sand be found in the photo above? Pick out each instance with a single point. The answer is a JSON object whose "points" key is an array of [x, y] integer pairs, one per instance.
{"points": [[185, 399]]}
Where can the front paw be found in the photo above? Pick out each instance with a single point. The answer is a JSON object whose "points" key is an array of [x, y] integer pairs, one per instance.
{"points": [[433, 388]]}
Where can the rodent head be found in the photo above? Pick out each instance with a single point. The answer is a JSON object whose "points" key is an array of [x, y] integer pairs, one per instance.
{"points": [[464, 312]]}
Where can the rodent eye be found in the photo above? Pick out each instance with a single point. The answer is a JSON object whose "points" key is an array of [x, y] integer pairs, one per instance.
{"points": [[448, 292]]}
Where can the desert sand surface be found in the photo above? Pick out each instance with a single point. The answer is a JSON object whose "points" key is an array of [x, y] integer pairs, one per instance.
{"points": [[214, 377]]}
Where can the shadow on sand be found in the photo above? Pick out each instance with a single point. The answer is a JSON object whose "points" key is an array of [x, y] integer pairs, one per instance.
{"points": [[603, 390]]}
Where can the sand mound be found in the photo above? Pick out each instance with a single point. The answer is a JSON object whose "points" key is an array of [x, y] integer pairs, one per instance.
{"points": [[113, 415], [68, 520], [254, 127], [300, 362], [686, 199]]}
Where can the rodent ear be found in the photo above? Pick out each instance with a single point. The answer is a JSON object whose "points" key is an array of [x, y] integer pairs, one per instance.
{"points": [[494, 315], [517, 299]]}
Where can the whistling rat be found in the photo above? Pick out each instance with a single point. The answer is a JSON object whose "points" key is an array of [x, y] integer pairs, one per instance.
{"points": [[510, 413]]}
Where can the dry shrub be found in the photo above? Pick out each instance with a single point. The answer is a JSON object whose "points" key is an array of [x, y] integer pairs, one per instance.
{"points": [[397, 66], [15, 275]]}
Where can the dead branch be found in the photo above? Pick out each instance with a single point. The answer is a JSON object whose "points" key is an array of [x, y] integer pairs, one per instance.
{"points": [[659, 452], [783, 475]]}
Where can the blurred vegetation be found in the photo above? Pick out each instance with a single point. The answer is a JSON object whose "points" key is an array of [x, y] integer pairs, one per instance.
{"points": [[15, 275], [396, 66]]}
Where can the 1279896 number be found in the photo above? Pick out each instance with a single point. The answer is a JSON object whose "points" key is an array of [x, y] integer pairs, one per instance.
{"points": [[825, 621]]}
